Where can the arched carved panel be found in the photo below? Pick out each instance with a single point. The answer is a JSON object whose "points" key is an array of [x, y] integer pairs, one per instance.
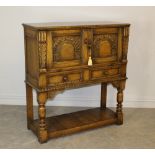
{"points": [[105, 45], [66, 48], [104, 49], [66, 51]]}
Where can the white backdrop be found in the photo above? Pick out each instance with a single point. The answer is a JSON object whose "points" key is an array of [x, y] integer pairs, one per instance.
{"points": [[141, 83]]}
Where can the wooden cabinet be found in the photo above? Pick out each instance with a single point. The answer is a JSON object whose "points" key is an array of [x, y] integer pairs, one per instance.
{"points": [[61, 56]]}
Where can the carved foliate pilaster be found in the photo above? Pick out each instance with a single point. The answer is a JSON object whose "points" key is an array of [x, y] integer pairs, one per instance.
{"points": [[52, 94], [42, 44], [125, 42]]}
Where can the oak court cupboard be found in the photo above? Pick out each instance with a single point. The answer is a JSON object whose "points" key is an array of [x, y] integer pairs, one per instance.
{"points": [[60, 56]]}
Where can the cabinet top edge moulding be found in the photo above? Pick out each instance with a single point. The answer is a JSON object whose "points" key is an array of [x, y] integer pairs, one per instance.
{"points": [[73, 25]]}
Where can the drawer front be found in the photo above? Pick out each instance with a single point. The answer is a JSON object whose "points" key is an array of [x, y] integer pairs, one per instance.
{"points": [[104, 73], [65, 77]]}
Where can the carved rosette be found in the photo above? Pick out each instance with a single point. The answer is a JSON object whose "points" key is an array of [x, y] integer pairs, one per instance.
{"points": [[125, 42], [74, 41], [42, 44], [52, 94], [111, 38]]}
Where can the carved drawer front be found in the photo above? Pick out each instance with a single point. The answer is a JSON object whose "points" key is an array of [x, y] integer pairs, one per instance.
{"points": [[104, 73], [65, 77], [66, 48], [105, 45]]}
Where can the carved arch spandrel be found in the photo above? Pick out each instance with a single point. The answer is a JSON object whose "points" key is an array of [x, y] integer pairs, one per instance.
{"points": [[53, 94]]}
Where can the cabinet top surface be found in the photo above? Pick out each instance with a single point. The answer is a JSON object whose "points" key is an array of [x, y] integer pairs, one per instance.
{"points": [[53, 25]]}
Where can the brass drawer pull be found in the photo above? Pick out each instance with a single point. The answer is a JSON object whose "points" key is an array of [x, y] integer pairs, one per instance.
{"points": [[65, 79], [105, 72]]}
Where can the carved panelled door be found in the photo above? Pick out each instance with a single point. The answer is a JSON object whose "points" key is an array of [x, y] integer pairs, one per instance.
{"points": [[65, 48], [107, 46], [69, 48]]}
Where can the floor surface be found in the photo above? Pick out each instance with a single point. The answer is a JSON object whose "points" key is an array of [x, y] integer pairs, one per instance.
{"points": [[138, 131]]}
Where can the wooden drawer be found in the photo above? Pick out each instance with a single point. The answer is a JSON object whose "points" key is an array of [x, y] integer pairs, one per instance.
{"points": [[104, 73], [64, 77]]}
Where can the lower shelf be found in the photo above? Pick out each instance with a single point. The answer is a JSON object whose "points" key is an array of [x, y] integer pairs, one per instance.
{"points": [[77, 121]]}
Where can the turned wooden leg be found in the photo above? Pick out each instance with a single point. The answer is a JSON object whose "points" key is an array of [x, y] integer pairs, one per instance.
{"points": [[119, 106], [29, 102], [103, 95], [42, 131]]}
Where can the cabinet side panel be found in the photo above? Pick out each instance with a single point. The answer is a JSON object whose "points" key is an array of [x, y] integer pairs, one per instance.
{"points": [[125, 40], [31, 57], [119, 54]]}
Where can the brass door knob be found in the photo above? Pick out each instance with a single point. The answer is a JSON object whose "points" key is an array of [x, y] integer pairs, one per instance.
{"points": [[88, 42]]}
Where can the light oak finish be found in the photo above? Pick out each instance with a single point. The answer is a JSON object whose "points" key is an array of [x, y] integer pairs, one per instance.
{"points": [[56, 59]]}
